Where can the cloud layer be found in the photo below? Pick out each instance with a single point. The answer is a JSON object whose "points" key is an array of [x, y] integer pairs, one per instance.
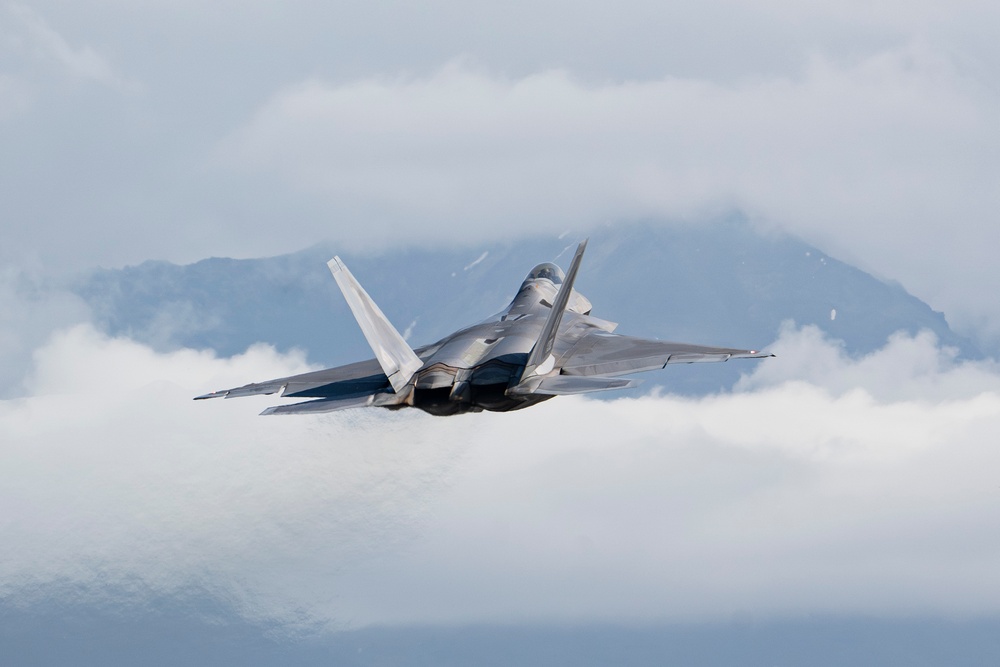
{"points": [[865, 159], [180, 130], [183, 131], [793, 496]]}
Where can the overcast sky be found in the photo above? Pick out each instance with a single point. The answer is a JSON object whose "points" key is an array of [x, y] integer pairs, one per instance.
{"points": [[179, 130]]}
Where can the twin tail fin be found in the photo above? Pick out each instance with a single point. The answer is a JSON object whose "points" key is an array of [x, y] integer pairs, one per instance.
{"points": [[399, 362]]}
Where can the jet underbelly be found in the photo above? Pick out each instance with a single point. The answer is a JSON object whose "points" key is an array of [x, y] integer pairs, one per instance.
{"points": [[472, 371]]}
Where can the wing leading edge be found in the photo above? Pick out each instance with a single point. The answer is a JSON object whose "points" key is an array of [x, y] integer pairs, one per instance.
{"points": [[331, 382], [606, 354]]}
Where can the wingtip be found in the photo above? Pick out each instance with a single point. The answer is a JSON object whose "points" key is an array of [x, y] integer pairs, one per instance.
{"points": [[214, 394], [335, 264]]}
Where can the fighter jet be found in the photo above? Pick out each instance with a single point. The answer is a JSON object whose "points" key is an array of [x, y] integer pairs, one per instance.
{"points": [[544, 344]]}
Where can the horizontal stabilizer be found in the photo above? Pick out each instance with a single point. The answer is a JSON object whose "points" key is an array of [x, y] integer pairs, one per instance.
{"points": [[256, 389], [561, 385], [399, 362], [322, 405]]}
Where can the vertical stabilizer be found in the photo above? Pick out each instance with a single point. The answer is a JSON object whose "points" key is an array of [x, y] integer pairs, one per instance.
{"points": [[398, 361], [540, 360]]}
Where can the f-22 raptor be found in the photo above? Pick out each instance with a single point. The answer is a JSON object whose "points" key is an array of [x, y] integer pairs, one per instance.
{"points": [[544, 344]]}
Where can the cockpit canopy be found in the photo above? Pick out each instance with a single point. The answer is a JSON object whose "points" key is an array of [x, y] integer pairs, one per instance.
{"points": [[549, 271]]}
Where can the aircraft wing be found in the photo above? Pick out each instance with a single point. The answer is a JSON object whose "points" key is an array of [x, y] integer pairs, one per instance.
{"points": [[608, 354], [321, 405], [362, 378]]}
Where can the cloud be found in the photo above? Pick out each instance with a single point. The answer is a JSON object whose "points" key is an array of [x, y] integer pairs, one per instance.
{"points": [[866, 158], [802, 494], [908, 368], [118, 477], [807, 495], [865, 127], [32, 307], [84, 62], [824, 484]]}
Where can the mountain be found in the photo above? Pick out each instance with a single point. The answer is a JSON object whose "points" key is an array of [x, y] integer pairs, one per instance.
{"points": [[196, 632], [723, 284]]}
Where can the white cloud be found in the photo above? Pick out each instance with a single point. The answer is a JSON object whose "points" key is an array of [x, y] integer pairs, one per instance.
{"points": [[825, 484], [31, 308], [115, 475], [866, 127], [823, 492], [885, 161], [908, 368], [811, 493]]}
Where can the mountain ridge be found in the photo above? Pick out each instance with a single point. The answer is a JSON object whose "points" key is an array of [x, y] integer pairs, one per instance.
{"points": [[723, 284]]}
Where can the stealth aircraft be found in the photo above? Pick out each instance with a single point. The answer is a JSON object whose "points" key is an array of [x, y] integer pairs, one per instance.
{"points": [[544, 344]]}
